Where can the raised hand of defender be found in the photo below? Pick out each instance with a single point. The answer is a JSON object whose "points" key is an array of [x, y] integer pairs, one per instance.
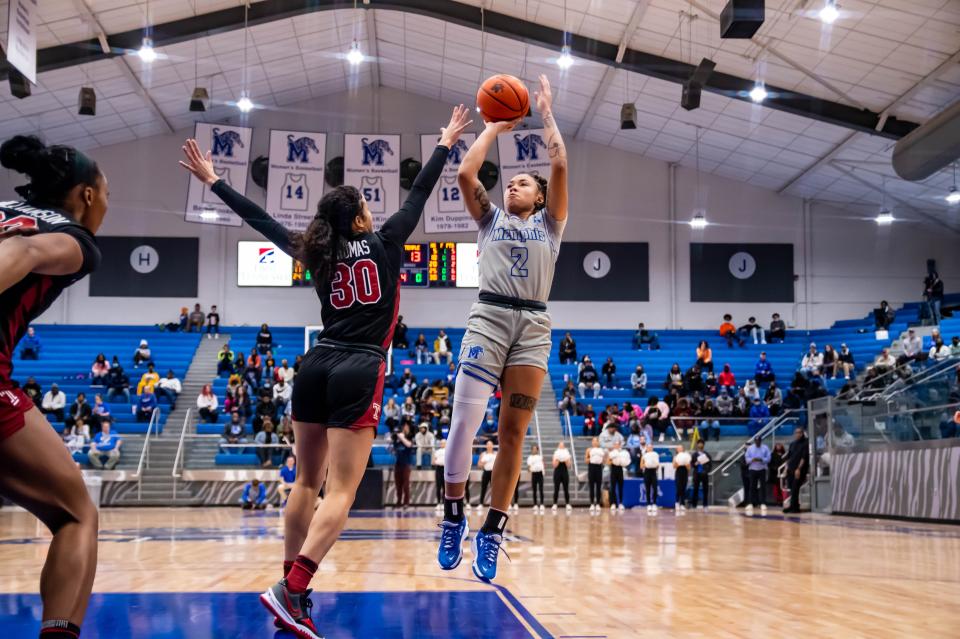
{"points": [[197, 163], [544, 97], [459, 121]]}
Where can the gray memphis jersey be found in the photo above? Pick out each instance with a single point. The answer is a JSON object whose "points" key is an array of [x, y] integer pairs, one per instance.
{"points": [[517, 256]]}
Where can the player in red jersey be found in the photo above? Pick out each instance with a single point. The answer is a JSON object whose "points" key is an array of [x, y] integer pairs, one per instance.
{"points": [[47, 244], [338, 392]]}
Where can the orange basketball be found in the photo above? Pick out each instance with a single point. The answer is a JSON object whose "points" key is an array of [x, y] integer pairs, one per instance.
{"points": [[503, 97]]}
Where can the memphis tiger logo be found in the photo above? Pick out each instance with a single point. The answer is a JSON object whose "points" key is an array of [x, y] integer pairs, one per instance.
{"points": [[373, 151], [457, 152], [298, 150], [223, 142], [475, 352], [267, 256], [527, 146]]}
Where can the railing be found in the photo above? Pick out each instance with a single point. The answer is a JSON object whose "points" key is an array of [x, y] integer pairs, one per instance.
{"points": [[893, 382], [573, 446], [770, 429], [145, 452], [178, 459], [536, 423]]}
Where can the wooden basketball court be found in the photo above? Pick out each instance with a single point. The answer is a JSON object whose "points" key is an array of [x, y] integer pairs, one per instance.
{"points": [[191, 573]]}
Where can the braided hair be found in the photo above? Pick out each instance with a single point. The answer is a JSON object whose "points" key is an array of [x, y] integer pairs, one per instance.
{"points": [[53, 170]]}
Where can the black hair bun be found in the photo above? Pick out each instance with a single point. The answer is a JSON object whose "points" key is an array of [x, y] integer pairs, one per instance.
{"points": [[22, 153]]}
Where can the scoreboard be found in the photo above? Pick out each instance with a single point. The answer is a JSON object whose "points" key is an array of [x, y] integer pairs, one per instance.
{"points": [[437, 264], [413, 270]]}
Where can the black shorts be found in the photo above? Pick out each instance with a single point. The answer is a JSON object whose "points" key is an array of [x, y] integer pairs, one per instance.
{"points": [[340, 385]]}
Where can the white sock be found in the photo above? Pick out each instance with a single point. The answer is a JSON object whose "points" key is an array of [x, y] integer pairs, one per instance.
{"points": [[469, 408]]}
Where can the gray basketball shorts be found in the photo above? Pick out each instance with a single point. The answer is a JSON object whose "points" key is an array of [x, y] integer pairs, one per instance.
{"points": [[498, 337]]}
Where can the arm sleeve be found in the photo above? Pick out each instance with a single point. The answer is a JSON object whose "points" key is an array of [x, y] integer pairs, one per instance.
{"points": [[255, 216], [402, 223]]}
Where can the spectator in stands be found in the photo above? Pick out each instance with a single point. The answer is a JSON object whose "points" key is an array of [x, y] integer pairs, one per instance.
{"points": [[725, 403], [955, 346], [425, 441], [438, 460], [798, 463], [568, 350], [674, 378], [400, 334], [284, 372], [763, 371], [693, 381], [701, 474], [590, 427], [296, 364], [282, 392], [773, 398], [442, 348], [643, 336], [778, 330], [148, 380], [79, 409], [704, 356], [169, 387], [845, 357], [225, 360], [588, 378], [195, 320], [752, 330], [664, 423], [884, 316], [938, 352], [213, 322], [726, 381], [253, 371], [233, 433], [439, 392], [254, 496], [751, 390], [729, 332], [408, 411], [831, 362], [391, 414], [288, 476], [265, 440], [421, 349], [54, 402], [949, 427], [105, 448], [146, 404], [99, 371], [684, 416], [404, 450], [709, 423], [885, 362], [263, 410], [142, 354], [30, 345], [269, 371], [239, 401], [208, 404], [74, 440], [99, 412], [595, 457], [264, 340], [609, 372], [286, 435], [812, 360], [610, 436], [650, 463], [562, 462], [33, 391], [118, 384], [638, 380], [933, 296]]}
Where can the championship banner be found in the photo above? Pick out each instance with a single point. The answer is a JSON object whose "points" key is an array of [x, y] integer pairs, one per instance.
{"points": [[741, 272], [602, 272], [295, 177], [230, 148], [445, 211], [522, 152], [371, 162], [22, 23], [146, 267]]}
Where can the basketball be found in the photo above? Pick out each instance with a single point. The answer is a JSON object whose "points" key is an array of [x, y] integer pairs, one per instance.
{"points": [[503, 97]]}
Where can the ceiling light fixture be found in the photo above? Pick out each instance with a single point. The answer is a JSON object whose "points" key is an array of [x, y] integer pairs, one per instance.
{"points": [[885, 218], [698, 221], [758, 93], [244, 104], [565, 61], [355, 55], [146, 51], [829, 13]]}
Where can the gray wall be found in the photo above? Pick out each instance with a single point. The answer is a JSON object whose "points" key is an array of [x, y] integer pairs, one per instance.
{"points": [[845, 263]]}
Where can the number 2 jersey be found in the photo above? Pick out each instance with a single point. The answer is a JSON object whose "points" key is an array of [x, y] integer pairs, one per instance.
{"points": [[359, 304], [27, 299]]}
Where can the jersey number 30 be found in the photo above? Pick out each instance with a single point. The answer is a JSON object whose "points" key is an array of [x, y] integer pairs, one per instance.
{"points": [[355, 283], [17, 224]]}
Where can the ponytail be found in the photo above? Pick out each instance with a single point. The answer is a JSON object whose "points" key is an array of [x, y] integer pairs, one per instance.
{"points": [[53, 170], [317, 247]]}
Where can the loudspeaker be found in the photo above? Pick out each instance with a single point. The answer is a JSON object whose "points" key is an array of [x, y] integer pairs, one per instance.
{"points": [[409, 168], [199, 99], [333, 176], [741, 18], [87, 101], [690, 98], [19, 85], [488, 174], [628, 116], [259, 170]]}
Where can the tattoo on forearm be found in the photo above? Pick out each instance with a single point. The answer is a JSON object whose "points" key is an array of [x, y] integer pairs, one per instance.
{"points": [[523, 402], [555, 147], [480, 195], [548, 120]]}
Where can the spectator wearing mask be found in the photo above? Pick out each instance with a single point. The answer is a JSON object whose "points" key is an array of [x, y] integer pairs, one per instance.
{"points": [[562, 462], [588, 378], [831, 362], [195, 321], [752, 330], [99, 371], [142, 354], [884, 318], [729, 332], [704, 356], [847, 364], [681, 474], [674, 379], [701, 474], [486, 461], [148, 380], [213, 323], [425, 441], [725, 404], [79, 410], [933, 295], [643, 337], [438, 459], [254, 496], [777, 457], [282, 392], [650, 463], [288, 477], [763, 371], [757, 458], [30, 345], [568, 350], [609, 371], [610, 436], [233, 433], [442, 348], [169, 387], [146, 405], [778, 329], [105, 448], [208, 405], [400, 334], [638, 380], [33, 391], [619, 460], [798, 463], [938, 352], [54, 402], [595, 457], [225, 360], [264, 340], [421, 349], [726, 381], [773, 398], [265, 440], [709, 422], [535, 466], [404, 450], [118, 384], [811, 361]]}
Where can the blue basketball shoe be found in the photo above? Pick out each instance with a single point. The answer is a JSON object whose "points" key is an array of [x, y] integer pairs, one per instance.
{"points": [[486, 548], [452, 535]]}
